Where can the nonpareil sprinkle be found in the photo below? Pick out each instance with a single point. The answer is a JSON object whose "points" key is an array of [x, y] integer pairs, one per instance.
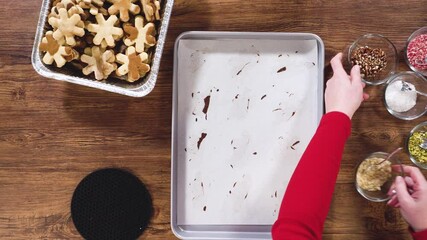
{"points": [[417, 52]]}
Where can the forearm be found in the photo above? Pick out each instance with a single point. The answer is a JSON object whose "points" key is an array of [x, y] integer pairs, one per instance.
{"points": [[306, 202], [419, 235]]}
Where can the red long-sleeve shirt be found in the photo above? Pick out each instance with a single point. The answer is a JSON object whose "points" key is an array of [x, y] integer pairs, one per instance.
{"points": [[308, 196]]}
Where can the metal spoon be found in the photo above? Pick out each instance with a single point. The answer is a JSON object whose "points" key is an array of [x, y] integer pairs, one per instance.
{"points": [[390, 155], [423, 145], [406, 87]]}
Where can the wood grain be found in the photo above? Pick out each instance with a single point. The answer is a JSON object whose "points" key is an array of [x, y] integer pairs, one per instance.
{"points": [[52, 133]]}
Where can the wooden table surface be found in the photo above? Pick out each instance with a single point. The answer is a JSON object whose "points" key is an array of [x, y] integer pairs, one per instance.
{"points": [[53, 133]]}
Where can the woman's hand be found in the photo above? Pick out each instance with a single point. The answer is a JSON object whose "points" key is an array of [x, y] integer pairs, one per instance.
{"points": [[344, 93], [410, 197]]}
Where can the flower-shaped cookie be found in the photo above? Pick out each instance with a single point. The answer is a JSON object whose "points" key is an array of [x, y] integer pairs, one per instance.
{"points": [[55, 51], [123, 7], [94, 6], [105, 30], [101, 63], [140, 34], [151, 9], [133, 65], [67, 26]]}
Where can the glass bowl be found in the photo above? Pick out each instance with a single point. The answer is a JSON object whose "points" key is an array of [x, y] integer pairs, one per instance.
{"points": [[413, 44], [373, 181], [417, 154], [370, 74], [398, 102]]}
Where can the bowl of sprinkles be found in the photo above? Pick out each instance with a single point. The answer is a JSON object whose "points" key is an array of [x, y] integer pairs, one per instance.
{"points": [[416, 51], [416, 145], [403, 95], [376, 56]]}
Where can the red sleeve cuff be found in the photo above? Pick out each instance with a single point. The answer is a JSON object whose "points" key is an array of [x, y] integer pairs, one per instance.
{"points": [[418, 235], [339, 120]]}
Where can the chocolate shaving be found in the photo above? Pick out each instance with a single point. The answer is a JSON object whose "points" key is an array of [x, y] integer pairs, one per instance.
{"points": [[280, 55], [263, 97], [293, 145], [202, 137], [246, 195], [281, 70], [204, 208], [242, 69], [206, 107]]}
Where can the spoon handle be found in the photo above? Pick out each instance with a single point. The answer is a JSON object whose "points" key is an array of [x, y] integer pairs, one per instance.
{"points": [[421, 93], [390, 155]]}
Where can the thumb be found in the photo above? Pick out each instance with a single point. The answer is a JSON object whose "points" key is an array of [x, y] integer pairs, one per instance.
{"points": [[355, 75], [402, 192]]}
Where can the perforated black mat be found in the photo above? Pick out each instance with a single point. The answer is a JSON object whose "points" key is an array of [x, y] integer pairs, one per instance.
{"points": [[111, 204]]}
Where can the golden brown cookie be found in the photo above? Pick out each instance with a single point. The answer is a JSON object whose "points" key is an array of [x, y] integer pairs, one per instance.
{"points": [[134, 65], [151, 9], [123, 7], [105, 30], [55, 51], [140, 35], [67, 26], [94, 6], [100, 62]]}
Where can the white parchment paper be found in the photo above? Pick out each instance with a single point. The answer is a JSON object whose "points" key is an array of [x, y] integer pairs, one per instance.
{"points": [[246, 112]]}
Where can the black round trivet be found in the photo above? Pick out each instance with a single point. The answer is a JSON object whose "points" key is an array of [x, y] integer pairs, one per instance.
{"points": [[111, 204]]}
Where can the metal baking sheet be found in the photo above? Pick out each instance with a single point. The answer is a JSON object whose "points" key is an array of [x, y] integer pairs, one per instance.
{"points": [[245, 106], [137, 89]]}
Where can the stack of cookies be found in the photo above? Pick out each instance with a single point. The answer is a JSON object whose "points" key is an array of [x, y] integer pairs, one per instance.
{"points": [[104, 38]]}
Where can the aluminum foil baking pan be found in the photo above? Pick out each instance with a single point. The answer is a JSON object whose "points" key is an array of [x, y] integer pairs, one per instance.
{"points": [[137, 89]]}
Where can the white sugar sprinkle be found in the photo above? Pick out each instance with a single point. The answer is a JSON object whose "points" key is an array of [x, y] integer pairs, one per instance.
{"points": [[398, 100]]}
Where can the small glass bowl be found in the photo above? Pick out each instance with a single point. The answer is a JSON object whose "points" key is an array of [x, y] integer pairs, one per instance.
{"points": [[379, 195], [420, 84], [376, 41], [414, 35], [415, 142]]}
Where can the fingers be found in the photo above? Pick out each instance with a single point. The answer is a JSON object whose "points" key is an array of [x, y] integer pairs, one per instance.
{"points": [[409, 182], [355, 75], [365, 96], [416, 175], [402, 192], [337, 65], [393, 201]]}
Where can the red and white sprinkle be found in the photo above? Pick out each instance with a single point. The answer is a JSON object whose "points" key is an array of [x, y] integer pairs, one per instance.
{"points": [[417, 52]]}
